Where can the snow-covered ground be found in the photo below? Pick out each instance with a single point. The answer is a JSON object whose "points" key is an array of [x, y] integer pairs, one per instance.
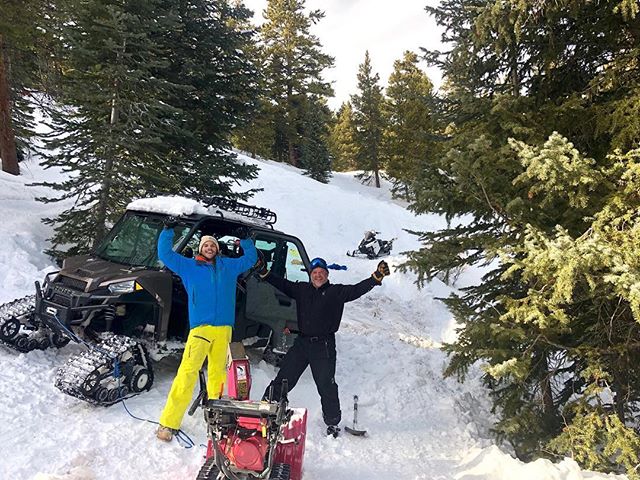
{"points": [[420, 425]]}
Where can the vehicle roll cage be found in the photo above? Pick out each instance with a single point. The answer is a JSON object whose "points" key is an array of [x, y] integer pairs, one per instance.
{"points": [[249, 211]]}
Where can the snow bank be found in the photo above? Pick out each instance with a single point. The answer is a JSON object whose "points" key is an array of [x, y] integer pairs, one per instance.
{"points": [[22, 235], [492, 463], [420, 426]]}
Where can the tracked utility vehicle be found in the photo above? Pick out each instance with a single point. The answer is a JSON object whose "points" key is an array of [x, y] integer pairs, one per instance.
{"points": [[129, 309]]}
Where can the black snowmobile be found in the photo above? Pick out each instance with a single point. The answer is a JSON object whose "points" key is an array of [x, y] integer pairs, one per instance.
{"points": [[371, 247]]}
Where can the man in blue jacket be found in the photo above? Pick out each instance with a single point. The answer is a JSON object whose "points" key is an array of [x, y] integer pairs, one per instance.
{"points": [[210, 282]]}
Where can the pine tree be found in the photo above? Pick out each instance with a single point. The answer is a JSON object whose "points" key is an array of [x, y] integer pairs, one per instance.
{"points": [[409, 138], [582, 308], [293, 66], [369, 122], [256, 137], [211, 62], [23, 35], [342, 141], [546, 320], [314, 153], [143, 113]]}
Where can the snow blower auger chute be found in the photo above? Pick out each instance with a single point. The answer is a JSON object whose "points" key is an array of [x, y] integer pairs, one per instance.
{"points": [[251, 439]]}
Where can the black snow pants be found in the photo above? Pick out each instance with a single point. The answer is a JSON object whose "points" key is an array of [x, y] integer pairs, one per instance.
{"points": [[320, 354]]}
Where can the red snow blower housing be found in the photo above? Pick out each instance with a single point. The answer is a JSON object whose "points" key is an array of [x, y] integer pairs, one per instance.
{"points": [[251, 439]]}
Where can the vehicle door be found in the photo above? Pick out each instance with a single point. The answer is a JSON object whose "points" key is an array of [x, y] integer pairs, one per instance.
{"points": [[285, 257]]}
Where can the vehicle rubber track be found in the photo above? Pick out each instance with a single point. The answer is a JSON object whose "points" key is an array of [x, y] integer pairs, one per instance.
{"points": [[209, 471], [280, 471], [115, 369], [21, 331]]}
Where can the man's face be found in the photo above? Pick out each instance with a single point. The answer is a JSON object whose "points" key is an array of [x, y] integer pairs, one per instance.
{"points": [[319, 277], [209, 250]]}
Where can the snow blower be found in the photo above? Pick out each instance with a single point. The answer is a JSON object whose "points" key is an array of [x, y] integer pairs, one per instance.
{"points": [[251, 439]]}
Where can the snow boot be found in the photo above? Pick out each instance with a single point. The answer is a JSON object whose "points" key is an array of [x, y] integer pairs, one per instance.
{"points": [[164, 433], [333, 430]]}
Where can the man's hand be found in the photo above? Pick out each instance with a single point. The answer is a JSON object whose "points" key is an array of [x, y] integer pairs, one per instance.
{"points": [[170, 222], [261, 267], [381, 272], [241, 232]]}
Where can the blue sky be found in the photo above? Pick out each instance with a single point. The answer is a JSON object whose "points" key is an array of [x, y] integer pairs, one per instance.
{"points": [[386, 28]]}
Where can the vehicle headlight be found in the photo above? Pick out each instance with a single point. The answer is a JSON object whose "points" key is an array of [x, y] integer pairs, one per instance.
{"points": [[124, 287]]}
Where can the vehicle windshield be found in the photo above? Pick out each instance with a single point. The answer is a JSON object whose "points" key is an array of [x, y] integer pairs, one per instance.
{"points": [[133, 241]]}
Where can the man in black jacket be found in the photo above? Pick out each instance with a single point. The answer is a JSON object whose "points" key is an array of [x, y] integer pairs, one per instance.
{"points": [[319, 310]]}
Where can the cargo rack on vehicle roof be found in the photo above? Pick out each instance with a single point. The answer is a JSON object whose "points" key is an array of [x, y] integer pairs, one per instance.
{"points": [[249, 211]]}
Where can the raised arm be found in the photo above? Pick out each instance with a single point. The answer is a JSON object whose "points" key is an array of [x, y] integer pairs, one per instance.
{"points": [[351, 292], [287, 287], [174, 261], [247, 260], [347, 293]]}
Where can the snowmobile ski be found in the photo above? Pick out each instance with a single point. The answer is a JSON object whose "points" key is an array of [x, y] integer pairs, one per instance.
{"points": [[354, 430]]}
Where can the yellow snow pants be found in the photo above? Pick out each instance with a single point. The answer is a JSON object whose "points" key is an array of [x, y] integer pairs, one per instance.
{"points": [[203, 341]]}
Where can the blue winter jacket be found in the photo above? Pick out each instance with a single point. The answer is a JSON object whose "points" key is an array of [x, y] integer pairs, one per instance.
{"points": [[211, 288]]}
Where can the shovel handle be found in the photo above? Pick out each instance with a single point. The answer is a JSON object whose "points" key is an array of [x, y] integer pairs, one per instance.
{"points": [[355, 411]]}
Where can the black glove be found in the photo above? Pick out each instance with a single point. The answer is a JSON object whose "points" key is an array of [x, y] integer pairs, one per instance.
{"points": [[241, 232], [261, 268], [381, 272], [170, 222]]}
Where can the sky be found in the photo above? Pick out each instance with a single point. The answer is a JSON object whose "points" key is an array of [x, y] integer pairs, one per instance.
{"points": [[386, 28]]}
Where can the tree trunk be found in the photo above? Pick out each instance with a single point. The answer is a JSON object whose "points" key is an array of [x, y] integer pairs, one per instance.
{"points": [[621, 391], [291, 123], [377, 174], [101, 207], [8, 152], [107, 180], [293, 154]]}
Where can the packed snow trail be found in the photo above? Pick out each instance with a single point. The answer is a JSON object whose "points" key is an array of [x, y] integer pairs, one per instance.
{"points": [[420, 426]]}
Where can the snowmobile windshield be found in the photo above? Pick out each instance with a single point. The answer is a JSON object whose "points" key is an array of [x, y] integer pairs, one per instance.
{"points": [[133, 241]]}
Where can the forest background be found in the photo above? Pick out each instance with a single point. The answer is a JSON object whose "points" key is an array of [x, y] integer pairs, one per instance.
{"points": [[530, 149]]}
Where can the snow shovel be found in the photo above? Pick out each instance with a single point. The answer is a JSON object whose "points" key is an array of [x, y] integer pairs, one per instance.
{"points": [[354, 430]]}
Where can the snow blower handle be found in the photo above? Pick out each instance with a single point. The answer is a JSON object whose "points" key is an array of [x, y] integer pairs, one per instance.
{"points": [[201, 399]]}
